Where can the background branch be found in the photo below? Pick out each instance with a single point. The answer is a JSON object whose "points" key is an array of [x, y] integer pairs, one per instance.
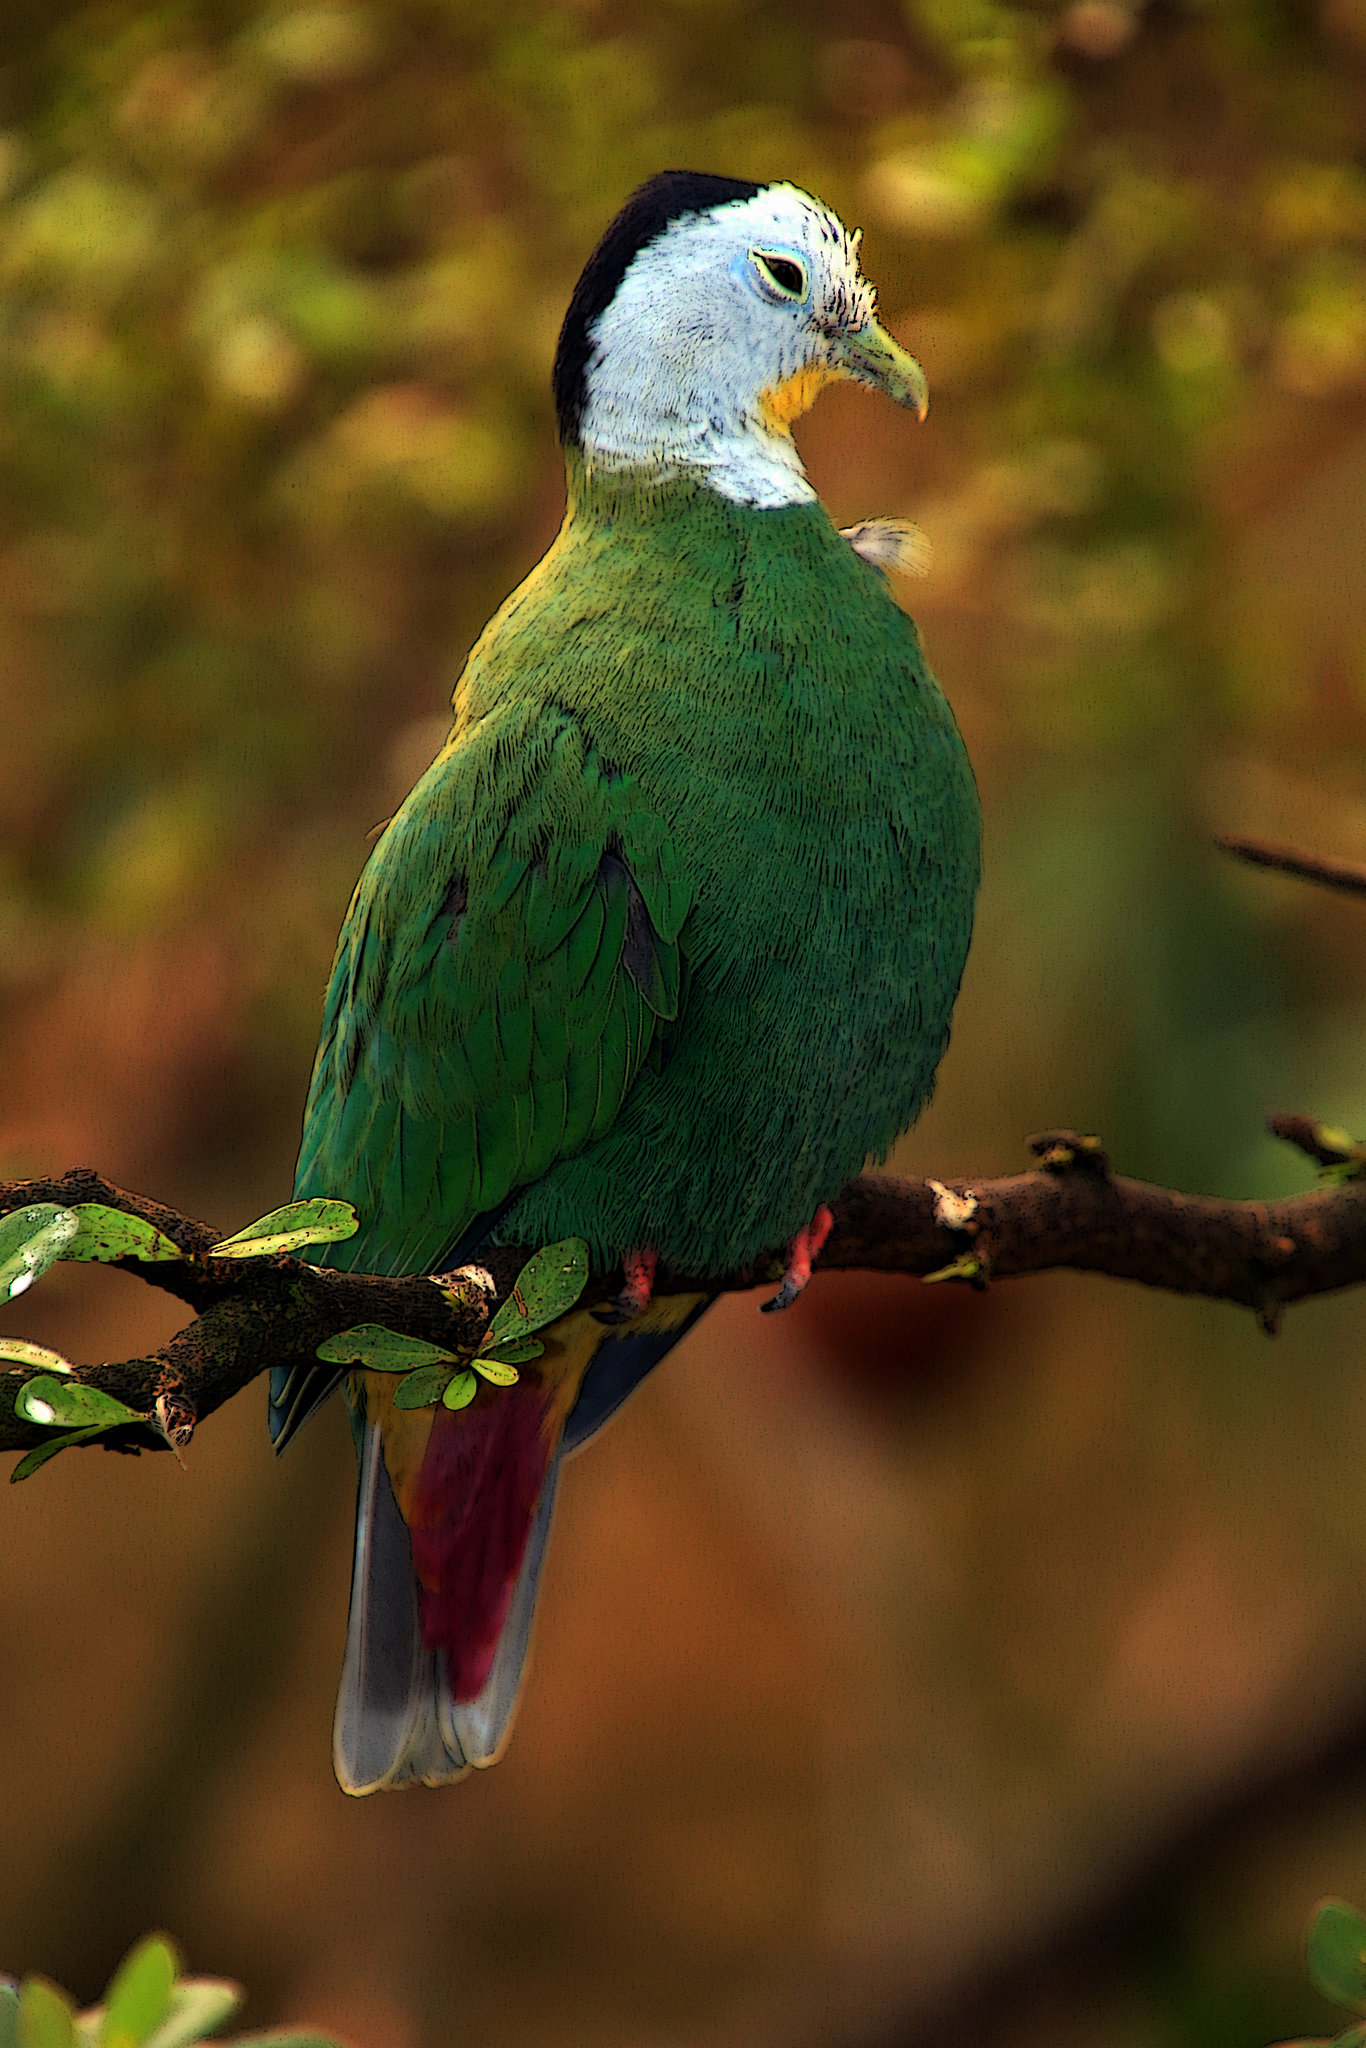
{"points": [[1070, 1211], [1349, 876]]}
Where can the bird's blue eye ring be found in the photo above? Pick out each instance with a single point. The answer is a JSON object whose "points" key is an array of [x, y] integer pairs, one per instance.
{"points": [[780, 275]]}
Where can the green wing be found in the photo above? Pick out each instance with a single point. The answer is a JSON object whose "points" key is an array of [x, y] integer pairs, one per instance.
{"points": [[509, 961]]}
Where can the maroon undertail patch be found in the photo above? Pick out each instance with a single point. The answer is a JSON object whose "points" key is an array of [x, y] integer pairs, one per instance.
{"points": [[476, 1495]]}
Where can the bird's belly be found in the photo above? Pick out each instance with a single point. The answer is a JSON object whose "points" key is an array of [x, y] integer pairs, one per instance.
{"points": [[807, 1044]]}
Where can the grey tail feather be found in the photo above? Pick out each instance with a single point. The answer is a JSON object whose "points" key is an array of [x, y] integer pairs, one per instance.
{"points": [[296, 1392], [396, 1722]]}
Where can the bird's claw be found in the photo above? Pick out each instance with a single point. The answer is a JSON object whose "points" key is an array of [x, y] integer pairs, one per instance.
{"points": [[638, 1265], [805, 1248]]}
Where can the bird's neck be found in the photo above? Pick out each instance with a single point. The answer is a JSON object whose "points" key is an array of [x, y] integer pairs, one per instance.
{"points": [[658, 504], [640, 420]]}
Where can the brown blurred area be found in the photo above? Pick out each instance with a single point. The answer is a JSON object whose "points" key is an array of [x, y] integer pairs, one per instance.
{"points": [[884, 1652]]}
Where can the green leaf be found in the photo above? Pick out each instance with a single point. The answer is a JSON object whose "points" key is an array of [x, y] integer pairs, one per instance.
{"points": [[18, 1351], [290, 2038], [31, 1240], [139, 1994], [199, 2006], [461, 1391], [423, 1387], [107, 1234], [68, 1404], [1335, 1951], [510, 1351], [496, 1371], [318, 1221], [547, 1286], [28, 1465], [46, 2018], [370, 1344], [9, 2013]]}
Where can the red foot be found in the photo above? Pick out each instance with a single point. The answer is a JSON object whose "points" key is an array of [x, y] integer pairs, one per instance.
{"points": [[806, 1246], [638, 1265]]}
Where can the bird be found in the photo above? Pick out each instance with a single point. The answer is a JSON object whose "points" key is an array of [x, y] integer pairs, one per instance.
{"points": [[662, 947]]}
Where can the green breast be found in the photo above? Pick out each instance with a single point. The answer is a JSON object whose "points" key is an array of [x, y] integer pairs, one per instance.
{"points": [[756, 679]]}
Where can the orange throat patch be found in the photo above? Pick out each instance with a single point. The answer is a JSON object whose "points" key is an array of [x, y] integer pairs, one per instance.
{"points": [[785, 402]]}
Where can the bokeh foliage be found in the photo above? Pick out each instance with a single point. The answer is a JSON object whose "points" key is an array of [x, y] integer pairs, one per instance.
{"points": [[280, 292], [279, 289], [278, 296]]}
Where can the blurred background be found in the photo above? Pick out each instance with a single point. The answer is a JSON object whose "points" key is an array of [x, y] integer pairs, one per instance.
{"points": [[930, 1664]]}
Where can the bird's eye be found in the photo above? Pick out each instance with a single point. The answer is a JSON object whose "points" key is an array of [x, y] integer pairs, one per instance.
{"points": [[783, 273]]}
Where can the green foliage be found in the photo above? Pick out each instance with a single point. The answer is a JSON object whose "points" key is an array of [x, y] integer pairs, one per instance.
{"points": [[318, 1221], [82, 1413], [147, 2004], [423, 1387], [68, 1404], [19, 1351], [31, 1240], [37, 1237], [547, 1287], [1335, 1955], [108, 1234], [381, 1350]]}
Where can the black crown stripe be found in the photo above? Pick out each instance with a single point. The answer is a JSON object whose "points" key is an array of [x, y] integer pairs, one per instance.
{"points": [[664, 198]]}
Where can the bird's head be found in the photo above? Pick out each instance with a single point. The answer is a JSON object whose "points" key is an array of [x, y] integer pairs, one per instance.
{"points": [[707, 319]]}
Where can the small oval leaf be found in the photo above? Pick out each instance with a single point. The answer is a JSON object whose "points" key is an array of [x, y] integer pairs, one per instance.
{"points": [[106, 1234], [139, 1994], [17, 1351], [510, 1351], [31, 1240], [35, 1459], [547, 1286], [496, 1372], [46, 2019], [1335, 1951], [69, 1404], [199, 2006], [381, 1350], [461, 1391], [422, 1388], [318, 1221]]}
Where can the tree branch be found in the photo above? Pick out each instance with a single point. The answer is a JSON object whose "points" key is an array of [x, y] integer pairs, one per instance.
{"points": [[1347, 875], [1070, 1211]]}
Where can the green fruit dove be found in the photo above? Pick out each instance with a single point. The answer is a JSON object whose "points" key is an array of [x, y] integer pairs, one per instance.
{"points": [[663, 945]]}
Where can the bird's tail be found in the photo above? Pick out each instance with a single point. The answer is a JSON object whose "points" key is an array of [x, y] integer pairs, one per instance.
{"points": [[452, 1518], [442, 1595]]}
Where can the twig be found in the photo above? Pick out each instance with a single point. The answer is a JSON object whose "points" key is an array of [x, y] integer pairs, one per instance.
{"points": [[1070, 1212], [1347, 875]]}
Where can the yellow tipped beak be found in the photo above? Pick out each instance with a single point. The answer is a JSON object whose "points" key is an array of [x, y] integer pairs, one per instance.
{"points": [[872, 357]]}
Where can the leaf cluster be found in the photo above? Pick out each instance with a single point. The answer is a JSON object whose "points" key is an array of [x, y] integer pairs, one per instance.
{"points": [[545, 1289], [44, 1234], [147, 2004]]}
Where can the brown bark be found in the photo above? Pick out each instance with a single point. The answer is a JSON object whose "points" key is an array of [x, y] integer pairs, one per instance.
{"points": [[1070, 1211]]}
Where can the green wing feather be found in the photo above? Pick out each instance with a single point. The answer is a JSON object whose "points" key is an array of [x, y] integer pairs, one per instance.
{"points": [[510, 955]]}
